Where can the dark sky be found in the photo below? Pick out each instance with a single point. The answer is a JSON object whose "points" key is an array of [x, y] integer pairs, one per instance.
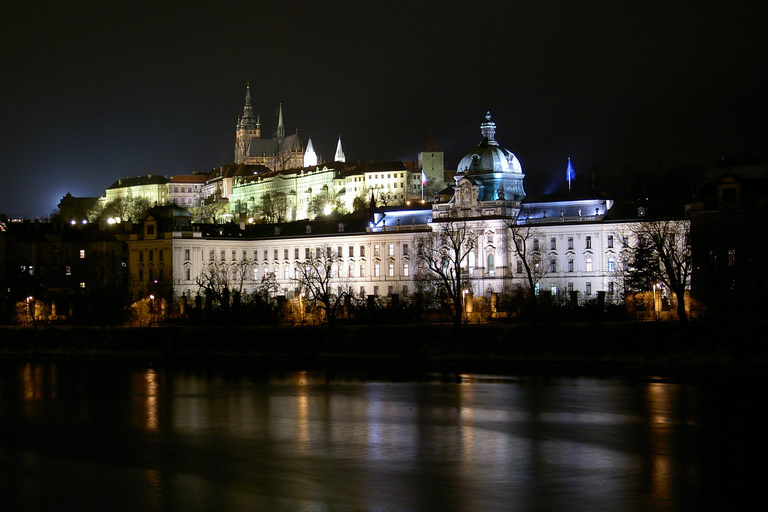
{"points": [[96, 91]]}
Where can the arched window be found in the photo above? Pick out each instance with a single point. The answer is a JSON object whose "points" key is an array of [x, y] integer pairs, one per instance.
{"points": [[491, 265]]}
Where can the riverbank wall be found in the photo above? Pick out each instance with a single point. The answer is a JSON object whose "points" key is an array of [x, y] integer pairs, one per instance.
{"points": [[621, 342]]}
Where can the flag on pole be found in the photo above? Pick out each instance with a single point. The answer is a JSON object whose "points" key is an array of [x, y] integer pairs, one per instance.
{"points": [[570, 174], [424, 182]]}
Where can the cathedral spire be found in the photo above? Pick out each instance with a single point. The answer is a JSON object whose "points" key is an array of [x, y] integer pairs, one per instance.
{"points": [[310, 157], [339, 153], [280, 133]]}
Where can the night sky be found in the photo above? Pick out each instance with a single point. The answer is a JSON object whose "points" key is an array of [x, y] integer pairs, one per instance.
{"points": [[93, 92]]}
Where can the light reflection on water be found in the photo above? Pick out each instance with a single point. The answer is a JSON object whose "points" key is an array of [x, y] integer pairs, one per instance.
{"points": [[215, 439]]}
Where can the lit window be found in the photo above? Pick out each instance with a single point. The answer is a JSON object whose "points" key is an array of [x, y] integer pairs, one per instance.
{"points": [[82, 285], [391, 269], [376, 270], [405, 269], [588, 265], [553, 289], [82, 254], [536, 289], [391, 249], [376, 251], [611, 265]]}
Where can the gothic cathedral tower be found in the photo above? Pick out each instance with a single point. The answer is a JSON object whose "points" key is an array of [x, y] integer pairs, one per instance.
{"points": [[248, 128]]}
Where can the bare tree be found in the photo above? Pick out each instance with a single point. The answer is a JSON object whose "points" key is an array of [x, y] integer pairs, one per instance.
{"points": [[319, 278], [126, 208], [524, 242], [659, 251], [221, 278], [273, 207], [442, 254]]}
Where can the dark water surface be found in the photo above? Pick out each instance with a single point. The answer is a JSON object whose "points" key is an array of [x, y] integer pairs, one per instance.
{"points": [[106, 435]]}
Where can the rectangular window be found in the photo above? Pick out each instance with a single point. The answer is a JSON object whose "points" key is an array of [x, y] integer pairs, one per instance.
{"points": [[362, 251], [141, 275], [362, 292], [390, 289], [519, 266], [222, 255], [535, 244], [285, 253], [570, 264], [351, 251], [296, 253], [274, 254], [339, 252], [405, 249], [245, 255], [306, 253], [390, 249], [151, 275], [610, 241], [234, 255], [255, 273], [317, 253], [376, 250], [405, 289], [611, 289], [405, 269], [588, 242], [625, 241], [255, 255], [376, 291], [589, 289], [362, 270], [266, 254], [611, 265], [82, 254], [570, 242], [376, 270], [186, 254], [570, 287], [588, 265], [210, 255], [552, 244], [553, 265], [141, 255], [553, 289], [67, 270], [391, 269], [188, 273]]}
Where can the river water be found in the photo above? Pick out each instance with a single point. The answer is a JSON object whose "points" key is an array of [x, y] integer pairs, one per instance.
{"points": [[221, 437]]}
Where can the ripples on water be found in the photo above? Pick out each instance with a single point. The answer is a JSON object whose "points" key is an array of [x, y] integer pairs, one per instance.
{"points": [[108, 436]]}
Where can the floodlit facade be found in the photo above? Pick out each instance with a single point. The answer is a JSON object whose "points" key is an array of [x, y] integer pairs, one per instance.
{"points": [[578, 237]]}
